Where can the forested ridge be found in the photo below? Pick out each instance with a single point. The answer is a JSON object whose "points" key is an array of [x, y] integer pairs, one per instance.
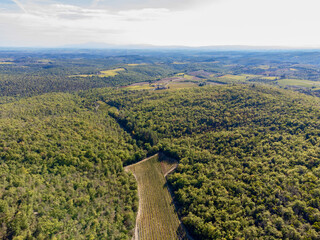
{"points": [[61, 171], [249, 162], [249, 157], [30, 72]]}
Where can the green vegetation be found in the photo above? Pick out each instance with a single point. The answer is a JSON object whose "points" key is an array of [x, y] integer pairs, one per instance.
{"points": [[61, 171], [157, 218], [241, 78], [68, 71], [105, 73], [249, 165], [264, 67], [135, 64], [46, 71], [249, 157], [140, 87], [182, 85], [111, 73], [298, 83]]}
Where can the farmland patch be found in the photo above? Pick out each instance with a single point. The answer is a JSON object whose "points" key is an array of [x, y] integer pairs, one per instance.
{"points": [[156, 218]]}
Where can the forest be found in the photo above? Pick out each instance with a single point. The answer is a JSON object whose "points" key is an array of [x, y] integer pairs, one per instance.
{"points": [[61, 171], [30, 72], [248, 147], [249, 158]]}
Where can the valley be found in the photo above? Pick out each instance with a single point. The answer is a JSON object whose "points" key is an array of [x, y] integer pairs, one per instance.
{"points": [[158, 145]]}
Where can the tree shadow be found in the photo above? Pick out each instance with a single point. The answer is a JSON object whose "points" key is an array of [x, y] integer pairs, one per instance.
{"points": [[181, 232]]}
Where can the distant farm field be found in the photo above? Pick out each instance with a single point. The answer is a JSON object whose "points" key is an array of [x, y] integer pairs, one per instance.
{"points": [[179, 63], [135, 64], [230, 78], [298, 83], [182, 85], [111, 73], [171, 86], [156, 218], [105, 73], [264, 67], [139, 87]]}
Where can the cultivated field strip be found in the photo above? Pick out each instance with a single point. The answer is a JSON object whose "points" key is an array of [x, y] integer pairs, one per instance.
{"points": [[157, 218]]}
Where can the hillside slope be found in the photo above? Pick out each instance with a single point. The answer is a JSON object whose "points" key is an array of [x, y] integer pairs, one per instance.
{"points": [[61, 171], [249, 155], [249, 162]]}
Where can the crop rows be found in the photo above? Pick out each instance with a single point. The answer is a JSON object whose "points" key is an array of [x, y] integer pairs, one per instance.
{"points": [[157, 217]]}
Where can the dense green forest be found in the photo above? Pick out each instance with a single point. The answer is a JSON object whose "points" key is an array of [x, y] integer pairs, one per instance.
{"points": [[249, 157], [61, 171], [248, 151]]}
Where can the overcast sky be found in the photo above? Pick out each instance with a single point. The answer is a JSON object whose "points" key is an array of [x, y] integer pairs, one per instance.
{"points": [[44, 23]]}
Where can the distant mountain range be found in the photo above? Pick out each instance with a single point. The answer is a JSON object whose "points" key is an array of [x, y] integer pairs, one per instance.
{"points": [[98, 45]]}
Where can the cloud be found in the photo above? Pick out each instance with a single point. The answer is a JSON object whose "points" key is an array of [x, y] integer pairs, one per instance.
{"points": [[60, 24], [162, 22], [118, 5], [147, 14], [138, 4]]}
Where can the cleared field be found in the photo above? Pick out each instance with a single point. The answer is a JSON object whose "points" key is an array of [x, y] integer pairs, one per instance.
{"points": [[184, 77], [180, 74], [264, 67], [179, 63], [171, 85], [201, 74], [229, 78], [136, 64], [156, 218], [298, 82], [140, 87], [269, 78], [106, 73], [241, 77], [188, 77], [180, 85], [44, 61], [111, 73]]}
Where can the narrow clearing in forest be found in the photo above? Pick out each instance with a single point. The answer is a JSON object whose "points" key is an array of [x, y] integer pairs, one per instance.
{"points": [[156, 217]]}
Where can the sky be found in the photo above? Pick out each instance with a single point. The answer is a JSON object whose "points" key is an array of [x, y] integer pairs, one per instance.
{"points": [[55, 23]]}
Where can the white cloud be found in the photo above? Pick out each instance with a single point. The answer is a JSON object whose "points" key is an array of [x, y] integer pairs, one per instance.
{"points": [[228, 22], [58, 24], [140, 4]]}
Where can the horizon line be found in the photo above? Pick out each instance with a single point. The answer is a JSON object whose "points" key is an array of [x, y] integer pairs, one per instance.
{"points": [[150, 47]]}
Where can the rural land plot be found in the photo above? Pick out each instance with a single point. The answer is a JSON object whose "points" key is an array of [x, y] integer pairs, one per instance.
{"points": [[156, 218]]}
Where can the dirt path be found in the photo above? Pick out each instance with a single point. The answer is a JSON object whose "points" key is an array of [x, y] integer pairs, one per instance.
{"points": [[126, 168], [135, 237], [156, 216], [170, 171]]}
